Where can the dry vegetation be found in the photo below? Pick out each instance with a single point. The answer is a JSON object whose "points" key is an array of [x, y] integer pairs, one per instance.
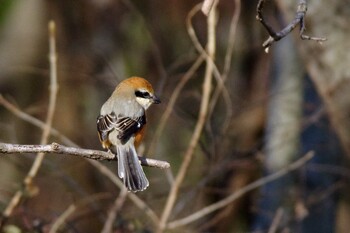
{"points": [[256, 141]]}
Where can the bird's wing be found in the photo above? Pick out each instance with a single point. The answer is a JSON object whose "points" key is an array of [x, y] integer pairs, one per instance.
{"points": [[126, 126]]}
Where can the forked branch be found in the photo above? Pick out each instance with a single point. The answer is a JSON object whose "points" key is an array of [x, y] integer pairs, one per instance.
{"points": [[299, 19]]}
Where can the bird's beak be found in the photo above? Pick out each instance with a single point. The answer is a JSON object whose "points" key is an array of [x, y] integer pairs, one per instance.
{"points": [[156, 100]]}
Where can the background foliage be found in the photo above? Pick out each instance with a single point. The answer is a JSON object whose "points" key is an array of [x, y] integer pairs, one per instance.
{"points": [[273, 109]]}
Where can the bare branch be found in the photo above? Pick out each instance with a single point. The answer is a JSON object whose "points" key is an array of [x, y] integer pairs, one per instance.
{"points": [[61, 220], [99, 166], [276, 220], [103, 155], [227, 66], [34, 121], [202, 117], [234, 196], [56, 148], [112, 214], [171, 103], [142, 205], [299, 19], [207, 6], [48, 124]]}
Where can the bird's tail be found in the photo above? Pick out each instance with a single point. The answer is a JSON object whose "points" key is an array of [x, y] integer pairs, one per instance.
{"points": [[130, 169]]}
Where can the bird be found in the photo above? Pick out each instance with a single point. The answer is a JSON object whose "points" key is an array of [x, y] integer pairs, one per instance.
{"points": [[121, 127]]}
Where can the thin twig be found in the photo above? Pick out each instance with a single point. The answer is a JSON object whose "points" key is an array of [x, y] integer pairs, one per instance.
{"points": [[72, 208], [231, 38], [62, 218], [299, 19], [7, 148], [234, 196], [276, 220], [207, 6], [227, 66], [174, 96], [46, 131], [200, 123], [157, 55], [34, 121], [112, 214], [170, 106], [221, 87], [133, 197], [52, 101], [203, 55]]}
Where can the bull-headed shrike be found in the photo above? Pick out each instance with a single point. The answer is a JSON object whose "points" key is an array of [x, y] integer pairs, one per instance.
{"points": [[121, 126]]}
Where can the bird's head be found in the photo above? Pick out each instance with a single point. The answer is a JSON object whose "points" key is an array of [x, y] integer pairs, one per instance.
{"points": [[142, 90]]}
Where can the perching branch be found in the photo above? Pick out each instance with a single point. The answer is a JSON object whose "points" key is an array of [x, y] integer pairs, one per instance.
{"points": [[298, 19], [6, 148], [99, 166]]}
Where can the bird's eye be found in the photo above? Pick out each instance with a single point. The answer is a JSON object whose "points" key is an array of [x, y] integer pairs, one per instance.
{"points": [[142, 94]]}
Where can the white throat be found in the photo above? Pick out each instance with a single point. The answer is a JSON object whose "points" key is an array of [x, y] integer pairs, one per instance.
{"points": [[145, 103]]}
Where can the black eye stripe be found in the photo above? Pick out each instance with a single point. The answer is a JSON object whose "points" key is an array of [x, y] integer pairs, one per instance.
{"points": [[142, 94]]}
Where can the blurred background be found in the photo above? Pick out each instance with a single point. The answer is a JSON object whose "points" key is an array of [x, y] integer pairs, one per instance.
{"points": [[273, 109]]}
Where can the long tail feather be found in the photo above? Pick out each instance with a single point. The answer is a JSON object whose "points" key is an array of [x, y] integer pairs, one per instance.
{"points": [[130, 169]]}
